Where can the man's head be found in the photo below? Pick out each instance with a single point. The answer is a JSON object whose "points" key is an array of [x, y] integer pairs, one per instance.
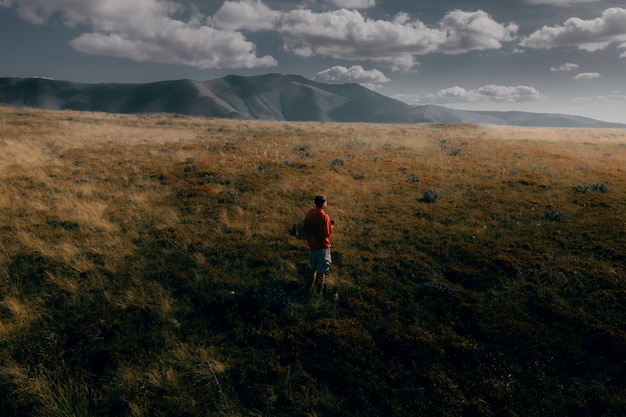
{"points": [[320, 201]]}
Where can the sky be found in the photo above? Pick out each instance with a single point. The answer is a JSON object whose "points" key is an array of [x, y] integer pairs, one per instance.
{"points": [[548, 56]]}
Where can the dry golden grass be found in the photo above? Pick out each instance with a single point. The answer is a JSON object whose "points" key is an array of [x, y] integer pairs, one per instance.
{"points": [[148, 264]]}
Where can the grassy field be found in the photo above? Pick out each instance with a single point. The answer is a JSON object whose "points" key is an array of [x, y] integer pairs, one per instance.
{"points": [[152, 266]]}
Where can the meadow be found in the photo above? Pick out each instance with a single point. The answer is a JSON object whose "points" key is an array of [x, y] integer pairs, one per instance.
{"points": [[152, 265]]}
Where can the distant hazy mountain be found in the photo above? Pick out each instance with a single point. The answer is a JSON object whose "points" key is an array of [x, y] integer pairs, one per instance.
{"points": [[267, 97]]}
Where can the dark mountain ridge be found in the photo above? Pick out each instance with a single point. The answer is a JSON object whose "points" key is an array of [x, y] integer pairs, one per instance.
{"points": [[265, 97]]}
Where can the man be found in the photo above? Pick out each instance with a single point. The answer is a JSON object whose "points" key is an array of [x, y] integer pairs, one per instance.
{"points": [[317, 229]]}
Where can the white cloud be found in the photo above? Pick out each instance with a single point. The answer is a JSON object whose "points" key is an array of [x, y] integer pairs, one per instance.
{"points": [[454, 94], [355, 73], [410, 99], [354, 4], [169, 32], [472, 31], [486, 94], [347, 34], [249, 15], [614, 97], [102, 15], [565, 67], [586, 76], [198, 47], [147, 30], [589, 35]]}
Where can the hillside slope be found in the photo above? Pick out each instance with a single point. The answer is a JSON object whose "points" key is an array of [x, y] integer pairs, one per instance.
{"points": [[264, 97], [153, 266]]}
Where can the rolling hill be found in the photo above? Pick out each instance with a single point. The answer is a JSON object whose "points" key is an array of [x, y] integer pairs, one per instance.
{"points": [[154, 265], [264, 97]]}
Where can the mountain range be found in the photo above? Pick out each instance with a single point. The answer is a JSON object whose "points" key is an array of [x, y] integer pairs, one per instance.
{"points": [[264, 97]]}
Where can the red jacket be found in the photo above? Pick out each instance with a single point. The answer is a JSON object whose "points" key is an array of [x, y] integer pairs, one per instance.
{"points": [[317, 229]]}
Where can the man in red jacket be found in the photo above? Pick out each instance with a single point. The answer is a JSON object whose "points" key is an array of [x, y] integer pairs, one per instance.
{"points": [[317, 229]]}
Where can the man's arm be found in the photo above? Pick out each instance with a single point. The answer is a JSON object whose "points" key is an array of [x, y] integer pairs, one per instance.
{"points": [[329, 226]]}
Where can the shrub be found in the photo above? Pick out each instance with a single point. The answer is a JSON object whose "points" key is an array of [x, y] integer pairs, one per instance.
{"points": [[338, 162], [602, 188], [552, 215], [429, 197]]}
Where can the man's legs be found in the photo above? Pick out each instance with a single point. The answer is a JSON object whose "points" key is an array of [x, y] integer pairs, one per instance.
{"points": [[313, 281], [320, 262]]}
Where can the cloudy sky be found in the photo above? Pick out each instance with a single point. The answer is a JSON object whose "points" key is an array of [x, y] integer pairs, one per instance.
{"points": [[559, 56]]}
